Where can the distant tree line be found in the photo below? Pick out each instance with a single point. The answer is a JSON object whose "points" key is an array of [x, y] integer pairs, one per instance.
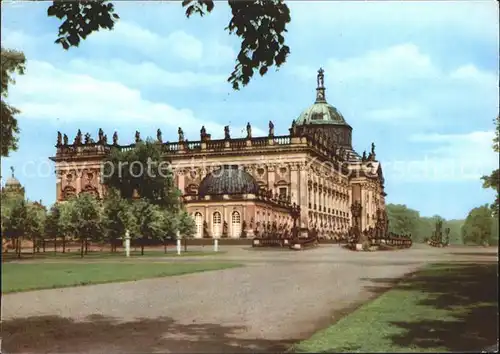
{"points": [[480, 227]]}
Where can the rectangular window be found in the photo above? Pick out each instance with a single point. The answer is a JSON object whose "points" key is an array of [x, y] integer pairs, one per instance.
{"points": [[283, 192]]}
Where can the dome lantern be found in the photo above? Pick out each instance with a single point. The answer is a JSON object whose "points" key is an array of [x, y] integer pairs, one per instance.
{"points": [[321, 112]]}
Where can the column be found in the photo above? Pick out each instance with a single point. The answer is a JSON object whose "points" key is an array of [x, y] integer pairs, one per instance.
{"points": [[303, 196], [294, 186]]}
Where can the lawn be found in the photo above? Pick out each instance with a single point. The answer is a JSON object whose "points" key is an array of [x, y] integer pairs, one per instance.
{"points": [[444, 307], [23, 277], [107, 254]]}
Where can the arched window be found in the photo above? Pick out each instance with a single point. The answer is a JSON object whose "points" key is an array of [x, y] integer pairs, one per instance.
{"points": [[216, 224], [198, 220], [235, 224]]}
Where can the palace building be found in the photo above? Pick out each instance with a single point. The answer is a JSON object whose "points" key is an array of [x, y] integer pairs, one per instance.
{"points": [[234, 187]]}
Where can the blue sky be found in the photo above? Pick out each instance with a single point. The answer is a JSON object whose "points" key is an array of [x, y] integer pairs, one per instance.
{"points": [[420, 79]]}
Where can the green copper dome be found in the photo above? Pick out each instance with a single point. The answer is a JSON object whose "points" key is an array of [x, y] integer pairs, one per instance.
{"points": [[321, 112]]}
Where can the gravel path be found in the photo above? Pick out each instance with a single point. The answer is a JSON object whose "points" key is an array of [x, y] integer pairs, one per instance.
{"points": [[277, 299]]}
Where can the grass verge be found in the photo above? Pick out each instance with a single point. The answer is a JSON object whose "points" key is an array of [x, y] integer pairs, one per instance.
{"points": [[106, 255], [444, 307], [18, 277]]}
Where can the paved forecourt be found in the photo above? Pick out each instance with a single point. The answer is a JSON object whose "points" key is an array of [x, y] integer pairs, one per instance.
{"points": [[278, 298]]}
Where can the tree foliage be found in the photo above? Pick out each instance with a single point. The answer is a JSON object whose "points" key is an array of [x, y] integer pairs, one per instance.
{"points": [[117, 216], [404, 220], [493, 180], [478, 227], [85, 218], [13, 62], [260, 24], [141, 170]]}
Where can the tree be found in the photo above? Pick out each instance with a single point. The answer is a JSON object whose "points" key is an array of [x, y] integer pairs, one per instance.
{"points": [[403, 220], [14, 222], [148, 222], [170, 227], [117, 217], [187, 227], [141, 171], [52, 223], [12, 62], [35, 222], [477, 228], [85, 217], [493, 180], [260, 24]]}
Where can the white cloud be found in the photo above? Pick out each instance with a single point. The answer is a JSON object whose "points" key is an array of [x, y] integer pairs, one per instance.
{"points": [[155, 46], [146, 74], [394, 65], [448, 157]]}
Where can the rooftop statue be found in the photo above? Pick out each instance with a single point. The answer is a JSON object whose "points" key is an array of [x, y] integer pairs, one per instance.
{"points": [[373, 150], [78, 138], [115, 138], [249, 131], [181, 134], [293, 130], [65, 139], [203, 133], [137, 136], [158, 136], [226, 132], [105, 139], [87, 138], [100, 135], [59, 138], [271, 129]]}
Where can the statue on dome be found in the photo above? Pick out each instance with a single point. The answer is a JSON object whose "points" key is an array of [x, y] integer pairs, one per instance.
{"points": [[115, 138], [249, 131], [59, 138], [363, 158], [181, 134], [158, 136], [227, 135], [65, 139], [105, 139], [321, 78], [271, 129], [373, 150], [137, 136]]}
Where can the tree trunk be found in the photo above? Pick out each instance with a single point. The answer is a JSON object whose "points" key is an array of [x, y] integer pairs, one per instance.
{"points": [[86, 245], [43, 245], [18, 247], [165, 245], [34, 245], [55, 244], [81, 247], [64, 244], [185, 244]]}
